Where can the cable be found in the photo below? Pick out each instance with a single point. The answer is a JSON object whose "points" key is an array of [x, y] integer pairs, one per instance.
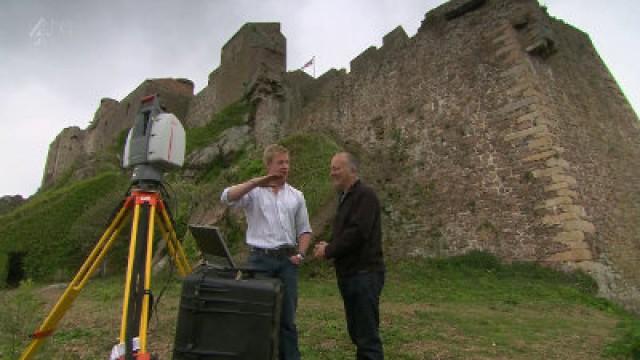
{"points": [[166, 195], [162, 291]]}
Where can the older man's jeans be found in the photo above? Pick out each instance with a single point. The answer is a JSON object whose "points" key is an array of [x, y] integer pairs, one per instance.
{"points": [[281, 267], [361, 296]]}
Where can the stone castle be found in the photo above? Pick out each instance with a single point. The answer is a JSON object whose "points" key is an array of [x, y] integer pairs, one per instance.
{"points": [[495, 127]]}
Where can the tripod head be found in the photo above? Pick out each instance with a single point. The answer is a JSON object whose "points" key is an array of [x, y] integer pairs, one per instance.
{"points": [[155, 143]]}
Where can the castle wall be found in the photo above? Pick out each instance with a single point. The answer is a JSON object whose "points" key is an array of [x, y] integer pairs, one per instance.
{"points": [[497, 129], [203, 105], [108, 121], [423, 110], [601, 135], [67, 148]]}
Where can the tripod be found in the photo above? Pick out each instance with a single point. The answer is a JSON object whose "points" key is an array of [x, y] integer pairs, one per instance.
{"points": [[148, 208]]}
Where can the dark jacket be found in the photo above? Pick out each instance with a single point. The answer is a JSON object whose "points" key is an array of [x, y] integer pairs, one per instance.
{"points": [[356, 239]]}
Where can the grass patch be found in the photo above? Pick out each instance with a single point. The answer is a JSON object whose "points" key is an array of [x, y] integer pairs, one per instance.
{"points": [[232, 115], [627, 343], [488, 310], [480, 277], [19, 314]]}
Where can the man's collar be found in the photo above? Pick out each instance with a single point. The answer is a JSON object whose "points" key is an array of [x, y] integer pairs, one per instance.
{"points": [[353, 186]]}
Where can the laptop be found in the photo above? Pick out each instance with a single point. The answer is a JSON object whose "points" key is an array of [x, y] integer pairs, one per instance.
{"points": [[212, 246]]}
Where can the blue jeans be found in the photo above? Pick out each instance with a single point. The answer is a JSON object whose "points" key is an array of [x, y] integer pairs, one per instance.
{"points": [[361, 297], [287, 272]]}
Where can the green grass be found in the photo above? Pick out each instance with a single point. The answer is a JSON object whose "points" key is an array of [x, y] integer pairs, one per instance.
{"points": [[310, 158], [49, 228], [457, 308], [232, 115]]}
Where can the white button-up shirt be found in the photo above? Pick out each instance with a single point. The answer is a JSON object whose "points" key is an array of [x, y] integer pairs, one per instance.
{"points": [[273, 219]]}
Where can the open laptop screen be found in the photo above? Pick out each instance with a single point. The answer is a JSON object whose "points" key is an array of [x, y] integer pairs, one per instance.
{"points": [[211, 244]]}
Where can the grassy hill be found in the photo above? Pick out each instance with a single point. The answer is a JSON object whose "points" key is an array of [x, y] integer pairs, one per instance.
{"points": [[53, 232], [467, 307]]}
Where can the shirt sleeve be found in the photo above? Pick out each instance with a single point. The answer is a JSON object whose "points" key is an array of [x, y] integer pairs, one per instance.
{"points": [[243, 202], [302, 218]]}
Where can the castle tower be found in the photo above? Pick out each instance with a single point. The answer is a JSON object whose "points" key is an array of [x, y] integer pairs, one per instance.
{"points": [[256, 50]]}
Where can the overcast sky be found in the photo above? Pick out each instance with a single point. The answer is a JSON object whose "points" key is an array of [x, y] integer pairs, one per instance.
{"points": [[59, 58]]}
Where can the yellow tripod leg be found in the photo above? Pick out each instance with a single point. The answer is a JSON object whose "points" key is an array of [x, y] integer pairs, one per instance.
{"points": [[173, 244], [144, 317], [130, 259], [75, 286]]}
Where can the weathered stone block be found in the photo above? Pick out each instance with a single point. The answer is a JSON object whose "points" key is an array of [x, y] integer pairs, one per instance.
{"points": [[575, 209], [564, 178], [558, 162], [540, 156], [524, 133], [579, 225], [547, 172], [559, 219], [550, 203], [574, 255], [542, 143], [557, 186], [569, 237]]}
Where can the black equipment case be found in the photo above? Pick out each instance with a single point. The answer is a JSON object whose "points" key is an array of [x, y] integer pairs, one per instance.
{"points": [[225, 318]]}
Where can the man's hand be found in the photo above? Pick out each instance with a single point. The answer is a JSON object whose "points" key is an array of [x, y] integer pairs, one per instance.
{"points": [[318, 250], [296, 259]]}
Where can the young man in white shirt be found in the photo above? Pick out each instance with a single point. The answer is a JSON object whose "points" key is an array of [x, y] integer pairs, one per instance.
{"points": [[278, 234]]}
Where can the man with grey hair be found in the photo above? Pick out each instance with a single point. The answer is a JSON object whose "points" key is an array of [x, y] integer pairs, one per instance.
{"points": [[278, 234], [356, 247]]}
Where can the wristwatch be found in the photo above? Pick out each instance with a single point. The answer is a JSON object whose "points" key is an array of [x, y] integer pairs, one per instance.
{"points": [[300, 256]]}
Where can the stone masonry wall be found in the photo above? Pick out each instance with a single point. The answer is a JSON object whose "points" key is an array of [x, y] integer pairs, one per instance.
{"points": [[497, 128], [600, 134], [425, 110], [67, 148], [203, 105]]}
